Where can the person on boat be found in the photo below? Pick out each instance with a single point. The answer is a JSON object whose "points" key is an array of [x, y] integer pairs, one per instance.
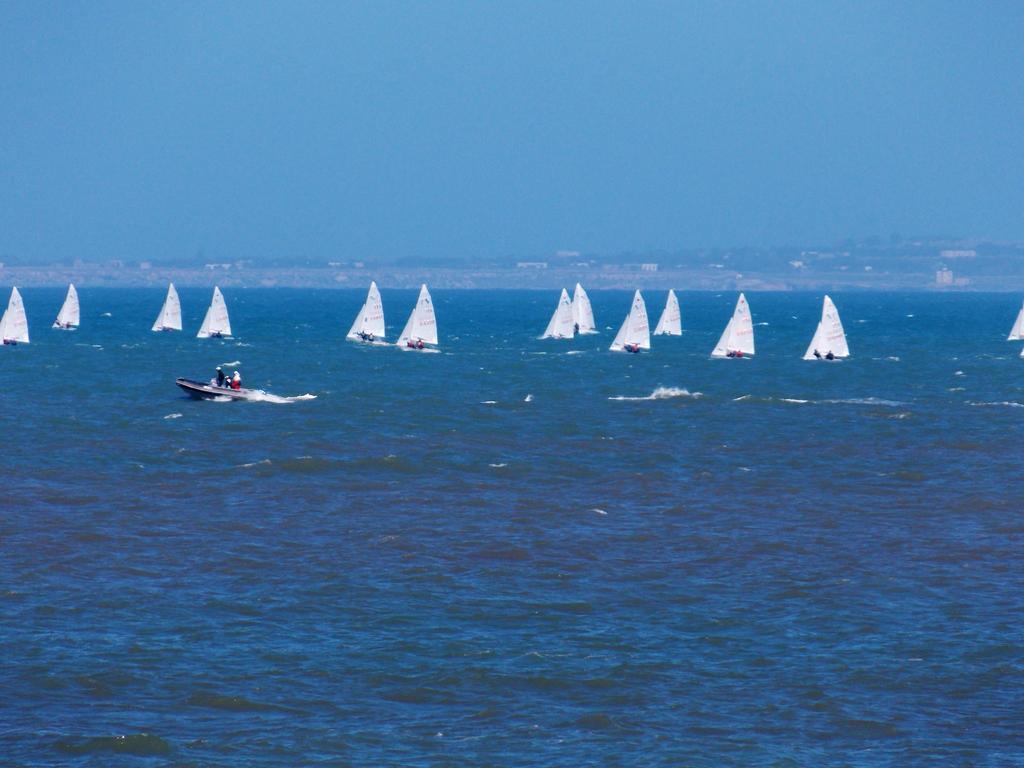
{"points": [[634, 348], [575, 327], [366, 336], [817, 354], [236, 381], [220, 376], [830, 356]]}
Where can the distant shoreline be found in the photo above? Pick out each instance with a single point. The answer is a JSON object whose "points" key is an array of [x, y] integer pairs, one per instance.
{"points": [[597, 278]]}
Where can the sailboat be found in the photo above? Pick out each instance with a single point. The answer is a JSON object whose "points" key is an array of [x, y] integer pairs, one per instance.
{"points": [[670, 323], [216, 324], [369, 323], [169, 318], [561, 325], [69, 315], [421, 328], [14, 324], [634, 334], [1017, 332], [738, 337], [829, 342], [582, 312]]}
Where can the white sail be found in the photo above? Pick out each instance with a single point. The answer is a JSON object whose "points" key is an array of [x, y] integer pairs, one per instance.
{"points": [[561, 324], [829, 336], [69, 315], [1017, 332], [582, 312], [421, 326], [634, 330], [14, 324], [169, 318], [670, 323], [370, 320], [216, 322], [738, 335]]}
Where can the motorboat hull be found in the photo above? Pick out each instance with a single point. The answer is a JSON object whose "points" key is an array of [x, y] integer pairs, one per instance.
{"points": [[202, 390]]}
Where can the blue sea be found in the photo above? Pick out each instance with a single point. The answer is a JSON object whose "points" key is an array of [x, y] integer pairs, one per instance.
{"points": [[515, 552]]}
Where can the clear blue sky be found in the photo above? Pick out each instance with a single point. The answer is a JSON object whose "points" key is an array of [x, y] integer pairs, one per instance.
{"points": [[467, 129]]}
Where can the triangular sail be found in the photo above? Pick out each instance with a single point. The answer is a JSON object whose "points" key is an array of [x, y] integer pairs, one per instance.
{"points": [[370, 320], [561, 324], [14, 324], [670, 323], [69, 315], [216, 322], [422, 325], [634, 330], [738, 335], [582, 312], [169, 318], [829, 336], [1017, 332]]}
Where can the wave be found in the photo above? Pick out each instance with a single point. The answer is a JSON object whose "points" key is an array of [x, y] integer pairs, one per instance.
{"points": [[172, 416], [254, 464], [864, 401], [231, 363], [139, 744], [844, 401], [488, 402], [1004, 403], [661, 393], [528, 399]]}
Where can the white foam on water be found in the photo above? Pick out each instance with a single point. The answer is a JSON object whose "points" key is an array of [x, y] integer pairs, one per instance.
{"points": [[574, 352], [488, 402], [741, 398], [956, 389], [959, 373], [794, 400], [254, 463], [106, 314], [498, 466], [661, 393], [231, 363], [259, 396], [599, 511], [172, 416], [528, 399], [865, 401], [1003, 403], [762, 323]]}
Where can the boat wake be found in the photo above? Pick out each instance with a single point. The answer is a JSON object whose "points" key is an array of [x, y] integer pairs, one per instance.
{"points": [[259, 396], [661, 393]]}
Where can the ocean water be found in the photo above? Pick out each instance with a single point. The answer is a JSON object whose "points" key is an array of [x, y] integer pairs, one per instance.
{"points": [[515, 552]]}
